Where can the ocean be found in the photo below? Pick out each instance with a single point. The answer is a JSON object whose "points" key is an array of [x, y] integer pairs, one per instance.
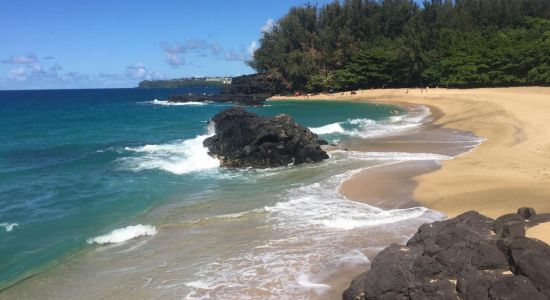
{"points": [[109, 193]]}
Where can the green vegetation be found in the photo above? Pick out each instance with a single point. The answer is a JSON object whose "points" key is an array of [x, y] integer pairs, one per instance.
{"points": [[184, 82], [396, 43]]}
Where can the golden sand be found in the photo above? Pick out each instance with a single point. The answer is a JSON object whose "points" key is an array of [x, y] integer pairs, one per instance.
{"points": [[540, 232], [510, 169]]}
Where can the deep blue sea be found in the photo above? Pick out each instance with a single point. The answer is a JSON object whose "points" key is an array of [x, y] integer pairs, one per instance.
{"points": [[76, 165]]}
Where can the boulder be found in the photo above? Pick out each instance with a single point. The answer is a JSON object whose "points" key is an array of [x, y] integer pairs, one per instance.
{"points": [[245, 139], [468, 257], [526, 212], [530, 258]]}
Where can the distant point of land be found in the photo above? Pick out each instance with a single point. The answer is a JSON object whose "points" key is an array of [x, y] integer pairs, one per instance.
{"points": [[186, 82]]}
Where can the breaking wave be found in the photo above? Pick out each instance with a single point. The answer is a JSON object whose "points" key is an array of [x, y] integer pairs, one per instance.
{"points": [[8, 226], [305, 233], [180, 157], [168, 103], [368, 128], [314, 231], [124, 234], [327, 129], [393, 156]]}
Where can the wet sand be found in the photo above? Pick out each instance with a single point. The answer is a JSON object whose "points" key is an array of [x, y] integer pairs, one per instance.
{"points": [[510, 169], [393, 186]]}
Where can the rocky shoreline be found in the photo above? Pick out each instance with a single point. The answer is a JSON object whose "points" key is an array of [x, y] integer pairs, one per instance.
{"points": [[470, 256], [244, 90]]}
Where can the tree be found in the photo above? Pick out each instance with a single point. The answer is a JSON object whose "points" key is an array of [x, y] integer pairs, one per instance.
{"points": [[350, 44]]}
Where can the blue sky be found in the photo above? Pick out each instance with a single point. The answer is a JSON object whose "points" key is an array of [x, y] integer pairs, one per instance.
{"points": [[102, 44], [108, 44]]}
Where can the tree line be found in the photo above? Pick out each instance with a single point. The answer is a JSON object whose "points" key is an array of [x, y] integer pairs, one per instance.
{"points": [[355, 44]]}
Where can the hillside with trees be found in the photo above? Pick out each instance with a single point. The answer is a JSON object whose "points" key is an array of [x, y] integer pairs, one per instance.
{"points": [[355, 44]]}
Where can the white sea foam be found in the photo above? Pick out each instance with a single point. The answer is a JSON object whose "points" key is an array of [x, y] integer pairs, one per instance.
{"points": [[319, 288], [226, 216], [198, 284], [178, 157], [354, 257], [168, 103], [312, 229], [393, 156], [383, 217], [330, 128], [367, 128], [8, 226], [309, 230], [319, 206], [475, 142], [124, 234]]}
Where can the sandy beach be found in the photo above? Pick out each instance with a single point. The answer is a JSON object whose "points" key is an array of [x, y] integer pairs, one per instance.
{"points": [[510, 169]]}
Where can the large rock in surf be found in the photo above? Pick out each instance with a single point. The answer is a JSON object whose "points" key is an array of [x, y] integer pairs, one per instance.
{"points": [[245, 139], [468, 257]]}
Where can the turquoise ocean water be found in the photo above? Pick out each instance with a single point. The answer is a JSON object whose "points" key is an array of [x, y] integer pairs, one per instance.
{"points": [[77, 164]]}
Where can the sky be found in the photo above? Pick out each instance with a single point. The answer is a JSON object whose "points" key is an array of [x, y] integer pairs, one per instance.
{"points": [[60, 44]]}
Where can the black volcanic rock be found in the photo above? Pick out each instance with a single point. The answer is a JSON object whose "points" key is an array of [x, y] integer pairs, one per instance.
{"points": [[261, 84], [526, 212], [242, 99], [246, 90], [469, 257], [245, 139]]}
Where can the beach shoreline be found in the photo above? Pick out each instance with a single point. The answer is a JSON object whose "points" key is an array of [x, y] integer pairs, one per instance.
{"points": [[431, 151], [510, 169], [195, 252]]}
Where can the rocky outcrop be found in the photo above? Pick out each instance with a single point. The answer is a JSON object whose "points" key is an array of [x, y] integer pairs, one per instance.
{"points": [[241, 99], [245, 139], [247, 90], [470, 257], [262, 83]]}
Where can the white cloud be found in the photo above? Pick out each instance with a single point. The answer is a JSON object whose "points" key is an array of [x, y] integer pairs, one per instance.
{"points": [[174, 59], [56, 67], [268, 25], [36, 67], [139, 71], [174, 51], [31, 70], [21, 59], [33, 74], [234, 55], [243, 54], [75, 77], [19, 74], [253, 46]]}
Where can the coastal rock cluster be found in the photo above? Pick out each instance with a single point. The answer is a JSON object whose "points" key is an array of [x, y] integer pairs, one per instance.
{"points": [[246, 90], [245, 139], [468, 257]]}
